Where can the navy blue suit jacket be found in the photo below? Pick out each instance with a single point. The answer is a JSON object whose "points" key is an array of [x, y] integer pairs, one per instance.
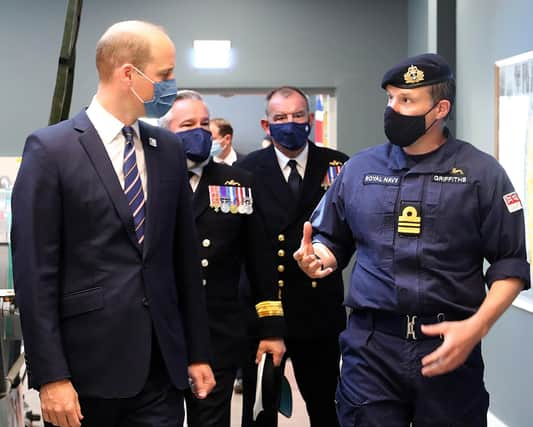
{"points": [[90, 297]]}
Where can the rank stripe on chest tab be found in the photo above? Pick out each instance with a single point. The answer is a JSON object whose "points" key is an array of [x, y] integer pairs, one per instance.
{"points": [[410, 219]]}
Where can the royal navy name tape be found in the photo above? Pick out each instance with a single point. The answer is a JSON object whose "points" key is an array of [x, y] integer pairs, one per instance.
{"points": [[374, 178]]}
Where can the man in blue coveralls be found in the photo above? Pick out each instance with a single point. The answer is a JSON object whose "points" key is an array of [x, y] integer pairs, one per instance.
{"points": [[424, 210]]}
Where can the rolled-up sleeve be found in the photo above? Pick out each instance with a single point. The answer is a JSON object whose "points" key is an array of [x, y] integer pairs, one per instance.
{"points": [[503, 232]]}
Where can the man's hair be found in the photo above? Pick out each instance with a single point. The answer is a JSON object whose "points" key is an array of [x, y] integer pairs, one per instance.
{"points": [[181, 95], [286, 91], [188, 94], [224, 127], [124, 42], [444, 90]]}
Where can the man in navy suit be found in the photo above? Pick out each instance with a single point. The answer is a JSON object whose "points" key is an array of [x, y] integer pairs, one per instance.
{"points": [[106, 271]]}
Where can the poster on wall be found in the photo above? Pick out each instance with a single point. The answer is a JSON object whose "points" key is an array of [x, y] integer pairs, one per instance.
{"points": [[514, 136], [8, 171]]}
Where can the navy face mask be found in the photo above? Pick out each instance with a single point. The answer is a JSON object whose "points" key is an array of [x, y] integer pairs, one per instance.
{"points": [[164, 96], [291, 136], [404, 130], [196, 143]]}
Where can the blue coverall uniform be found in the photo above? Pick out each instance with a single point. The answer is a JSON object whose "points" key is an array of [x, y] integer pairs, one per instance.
{"points": [[422, 227]]}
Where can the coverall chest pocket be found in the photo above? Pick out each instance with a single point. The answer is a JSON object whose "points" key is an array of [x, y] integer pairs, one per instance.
{"points": [[430, 208], [376, 207]]}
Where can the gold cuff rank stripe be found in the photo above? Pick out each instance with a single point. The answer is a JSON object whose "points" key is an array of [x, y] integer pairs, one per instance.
{"points": [[269, 308]]}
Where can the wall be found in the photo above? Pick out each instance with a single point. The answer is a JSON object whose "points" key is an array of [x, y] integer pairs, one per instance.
{"points": [[488, 30], [31, 33], [310, 43]]}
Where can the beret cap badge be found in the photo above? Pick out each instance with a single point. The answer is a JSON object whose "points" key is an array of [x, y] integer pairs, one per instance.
{"points": [[413, 75]]}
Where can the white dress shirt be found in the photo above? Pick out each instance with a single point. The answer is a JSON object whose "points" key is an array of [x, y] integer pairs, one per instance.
{"points": [[109, 129], [301, 162], [229, 159], [197, 169]]}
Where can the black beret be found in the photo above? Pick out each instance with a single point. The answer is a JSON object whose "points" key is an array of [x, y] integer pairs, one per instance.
{"points": [[421, 70]]}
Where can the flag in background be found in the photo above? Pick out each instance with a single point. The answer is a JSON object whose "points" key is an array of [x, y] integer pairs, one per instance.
{"points": [[319, 120]]}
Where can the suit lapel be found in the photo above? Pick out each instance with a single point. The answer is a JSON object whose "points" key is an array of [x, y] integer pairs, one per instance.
{"points": [[151, 157], [315, 170], [271, 173], [201, 195], [97, 153]]}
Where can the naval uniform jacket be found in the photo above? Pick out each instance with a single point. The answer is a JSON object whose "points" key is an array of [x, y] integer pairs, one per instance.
{"points": [[312, 307], [227, 241], [423, 228]]}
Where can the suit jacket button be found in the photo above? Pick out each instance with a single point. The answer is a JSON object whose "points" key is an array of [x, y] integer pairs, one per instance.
{"points": [[281, 253], [206, 243], [314, 284], [145, 302], [281, 237], [281, 283], [205, 262], [204, 282], [281, 268]]}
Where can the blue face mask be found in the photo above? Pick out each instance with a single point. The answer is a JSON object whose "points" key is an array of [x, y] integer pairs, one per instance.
{"points": [[164, 96], [291, 136], [216, 148], [196, 143]]}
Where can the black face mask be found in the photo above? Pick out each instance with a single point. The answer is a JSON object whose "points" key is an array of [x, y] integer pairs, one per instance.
{"points": [[404, 130]]}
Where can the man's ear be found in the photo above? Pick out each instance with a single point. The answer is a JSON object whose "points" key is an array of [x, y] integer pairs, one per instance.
{"points": [[264, 125], [443, 108], [125, 73]]}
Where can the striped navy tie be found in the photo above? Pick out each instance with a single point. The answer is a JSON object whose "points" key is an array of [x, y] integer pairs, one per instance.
{"points": [[132, 184]]}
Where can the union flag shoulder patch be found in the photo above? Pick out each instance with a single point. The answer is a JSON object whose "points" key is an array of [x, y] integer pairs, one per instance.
{"points": [[512, 201]]}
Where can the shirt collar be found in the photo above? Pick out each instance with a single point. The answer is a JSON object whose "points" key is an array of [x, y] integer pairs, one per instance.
{"points": [[196, 167], [301, 159], [229, 159], [107, 126], [441, 161]]}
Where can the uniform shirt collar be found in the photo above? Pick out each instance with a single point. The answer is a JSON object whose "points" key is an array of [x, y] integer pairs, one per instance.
{"points": [[441, 161], [107, 126], [301, 159], [229, 159], [197, 168]]}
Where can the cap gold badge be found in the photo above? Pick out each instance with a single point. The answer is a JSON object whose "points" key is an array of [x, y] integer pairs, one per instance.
{"points": [[413, 75]]}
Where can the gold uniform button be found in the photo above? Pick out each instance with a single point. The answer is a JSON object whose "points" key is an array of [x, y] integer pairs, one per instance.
{"points": [[281, 268], [205, 262], [281, 253], [281, 237], [204, 282], [206, 243], [281, 283], [314, 284]]}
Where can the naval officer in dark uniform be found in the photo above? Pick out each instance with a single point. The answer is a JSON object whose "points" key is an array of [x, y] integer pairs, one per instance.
{"points": [[290, 178], [230, 234], [424, 211]]}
